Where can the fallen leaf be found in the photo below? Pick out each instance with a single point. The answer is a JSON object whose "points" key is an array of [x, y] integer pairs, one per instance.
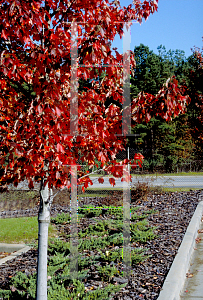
{"points": [[198, 240], [189, 275]]}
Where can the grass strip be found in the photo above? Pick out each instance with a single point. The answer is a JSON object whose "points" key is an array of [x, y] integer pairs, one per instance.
{"points": [[21, 230]]}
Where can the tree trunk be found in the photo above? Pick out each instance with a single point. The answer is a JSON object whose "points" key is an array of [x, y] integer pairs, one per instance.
{"points": [[46, 198]]}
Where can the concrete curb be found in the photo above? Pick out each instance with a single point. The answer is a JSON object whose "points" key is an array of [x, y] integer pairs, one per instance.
{"points": [[175, 279], [16, 249]]}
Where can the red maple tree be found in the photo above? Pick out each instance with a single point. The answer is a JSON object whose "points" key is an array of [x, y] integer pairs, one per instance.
{"points": [[46, 124], [36, 85]]}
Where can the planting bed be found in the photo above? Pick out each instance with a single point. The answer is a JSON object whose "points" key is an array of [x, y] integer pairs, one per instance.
{"points": [[158, 224]]}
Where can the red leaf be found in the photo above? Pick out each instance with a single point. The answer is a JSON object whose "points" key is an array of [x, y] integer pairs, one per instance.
{"points": [[3, 34], [60, 148], [86, 184], [53, 52], [138, 156], [101, 157], [31, 185], [139, 159], [112, 181], [58, 111], [101, 180], [140, 164]]}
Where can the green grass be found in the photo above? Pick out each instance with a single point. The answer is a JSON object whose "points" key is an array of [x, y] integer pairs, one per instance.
{"points": [[179, 189], [92, 195], [156, 174], [18, 195], [20, 230], [98, 192], [103, 190], [170, 174]]}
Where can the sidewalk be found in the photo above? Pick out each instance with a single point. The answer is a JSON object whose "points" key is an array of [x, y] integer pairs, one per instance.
{"points": [[176, 285], [193, 287]]}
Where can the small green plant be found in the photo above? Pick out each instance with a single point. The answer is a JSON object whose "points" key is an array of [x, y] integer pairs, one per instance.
{"points": [[57, 245], [85, 262], [107, 272], [142, 216], [90, 211], [92, 243], [109, 256], [115, 211], [56, 262], [24, 287], [5, 294], [141, 232], [116, 239], [138, 255], [61, 218]]}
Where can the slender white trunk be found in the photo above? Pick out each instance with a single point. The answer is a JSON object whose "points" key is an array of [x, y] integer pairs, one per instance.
{"points": [[46, 197]]}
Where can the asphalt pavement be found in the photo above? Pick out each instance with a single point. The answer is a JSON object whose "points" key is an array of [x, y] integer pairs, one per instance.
{"points": [[195, 182], [164, 181]]}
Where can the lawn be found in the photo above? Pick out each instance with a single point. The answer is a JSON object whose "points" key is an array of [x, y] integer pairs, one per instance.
{"points": [[21, 230]]}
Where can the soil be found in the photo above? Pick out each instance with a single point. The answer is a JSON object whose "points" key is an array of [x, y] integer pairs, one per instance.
{"points": [[175, 211]]}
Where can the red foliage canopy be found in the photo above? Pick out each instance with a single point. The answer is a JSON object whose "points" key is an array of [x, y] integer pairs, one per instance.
{"points": [[38, 40]]}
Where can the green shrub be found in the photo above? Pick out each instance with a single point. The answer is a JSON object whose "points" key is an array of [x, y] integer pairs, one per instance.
{"points": [[138, 255], [98, 236], [56, 245], [24, 287], [56, 262], [142, 216], [106, 272], [61, 218], [105, 293], [92, 243], [89, 211], [110, 256], [5, 294], [141, 232]]}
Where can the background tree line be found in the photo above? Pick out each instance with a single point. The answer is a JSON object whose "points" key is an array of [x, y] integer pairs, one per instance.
{"points": [[166, 145]]}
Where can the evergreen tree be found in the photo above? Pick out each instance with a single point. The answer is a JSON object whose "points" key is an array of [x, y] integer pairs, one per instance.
{"points": [[163, 143]]}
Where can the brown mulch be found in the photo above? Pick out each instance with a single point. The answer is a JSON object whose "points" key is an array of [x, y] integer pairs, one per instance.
{"points": [[175, 211]]}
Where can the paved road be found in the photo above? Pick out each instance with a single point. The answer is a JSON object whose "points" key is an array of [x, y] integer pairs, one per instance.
{"points": [[164, 181]]}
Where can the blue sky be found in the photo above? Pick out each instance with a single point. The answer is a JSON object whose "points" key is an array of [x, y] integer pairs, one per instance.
{"points": [[178, 24]]}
